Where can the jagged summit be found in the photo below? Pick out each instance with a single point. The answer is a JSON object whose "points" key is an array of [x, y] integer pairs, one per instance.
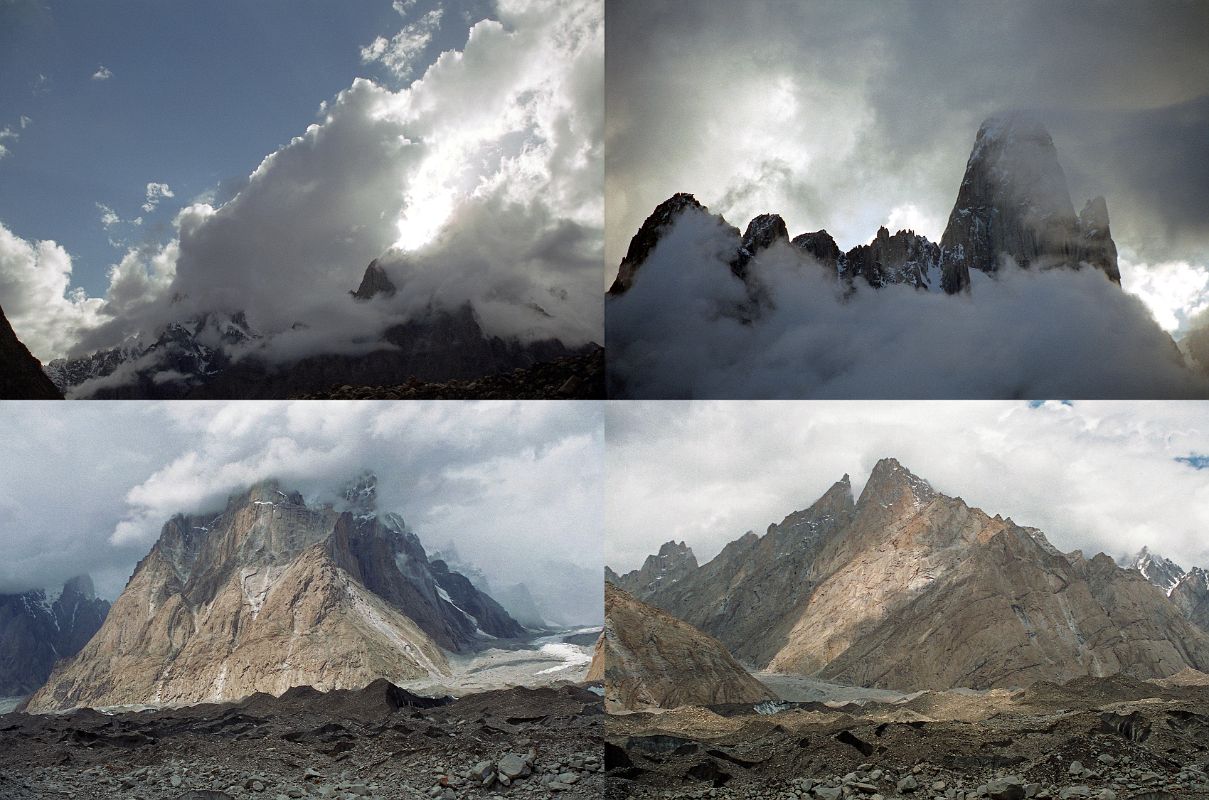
{"points": [[373, 283], [644, 241], [1014, 202], [1162, 572]]}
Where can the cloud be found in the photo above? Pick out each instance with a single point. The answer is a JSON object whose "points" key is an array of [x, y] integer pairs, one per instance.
{"points": [[7, 133], [506, 482], [155, 193], [680, 332], [401, 53], [102, 73], [1174, 291], [109, 217], [34, 286], [1101, 476], [25, 122], [480, 183], [701, 103]]}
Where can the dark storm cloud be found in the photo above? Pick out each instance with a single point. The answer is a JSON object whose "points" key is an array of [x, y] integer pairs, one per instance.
{"points": [[874, 105]]}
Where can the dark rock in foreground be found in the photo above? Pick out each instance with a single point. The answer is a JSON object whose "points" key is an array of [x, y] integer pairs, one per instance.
{"points": [[580, 377], [21, 375], [380, 742]]}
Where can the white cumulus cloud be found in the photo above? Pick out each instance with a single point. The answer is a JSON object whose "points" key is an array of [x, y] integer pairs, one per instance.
{"points": [[103, 73], [155, 193]]}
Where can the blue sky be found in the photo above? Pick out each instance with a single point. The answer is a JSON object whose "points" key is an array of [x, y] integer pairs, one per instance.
{"points": [[197, 95]]}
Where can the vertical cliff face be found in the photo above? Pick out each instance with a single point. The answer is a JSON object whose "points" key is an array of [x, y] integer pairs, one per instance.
{"points": [[1014, 202], [268, 594], [907, 588], [37, 630]]}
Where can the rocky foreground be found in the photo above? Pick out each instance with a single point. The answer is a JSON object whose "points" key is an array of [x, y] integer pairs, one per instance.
{"points": [[379, 742], [1112, 739], [579, 377]]}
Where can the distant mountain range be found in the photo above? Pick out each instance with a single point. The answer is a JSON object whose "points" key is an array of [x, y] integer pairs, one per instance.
{"points": [[216, 355], [906, 588], [39, 628]]}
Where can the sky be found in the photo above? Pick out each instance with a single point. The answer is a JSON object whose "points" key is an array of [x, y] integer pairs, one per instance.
{"points": [[163, 161], [87, 487], [852, 114], [1098, 476]]}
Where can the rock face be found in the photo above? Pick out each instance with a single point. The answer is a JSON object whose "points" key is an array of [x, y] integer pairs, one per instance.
{"points": [[644, 241], [674, 561], [21, 375], [1014, 202], [375, 282], [458, 589], [651, 659], [762, 232], [903, 258], [906, 588], [1191, 595], [36, 630], [266, 595]]}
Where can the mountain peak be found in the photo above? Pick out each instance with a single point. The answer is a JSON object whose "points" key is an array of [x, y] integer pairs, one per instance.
{"points": [[890, 481], [80, 586], [653, 228], [1014, 203], [373, 283], [361, 494]]}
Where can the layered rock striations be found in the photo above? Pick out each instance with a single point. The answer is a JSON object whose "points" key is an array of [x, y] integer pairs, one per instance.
{"points": [[38, 629], [1012, 204], [906, 588], [269, 594], [648, 658]]}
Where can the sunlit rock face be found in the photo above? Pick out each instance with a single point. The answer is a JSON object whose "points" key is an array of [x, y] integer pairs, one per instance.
{"points": [[272, 593]]}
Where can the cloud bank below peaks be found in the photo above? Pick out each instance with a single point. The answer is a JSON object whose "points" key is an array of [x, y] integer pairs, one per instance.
{"points": [[689, 328], [480, 182]]}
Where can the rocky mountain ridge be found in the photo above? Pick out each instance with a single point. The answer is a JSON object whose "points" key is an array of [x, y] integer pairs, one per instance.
{"points": [[272, 593], [216, 355], [38, 629], [906, 588], [1187, 589], [1012, 203]]}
